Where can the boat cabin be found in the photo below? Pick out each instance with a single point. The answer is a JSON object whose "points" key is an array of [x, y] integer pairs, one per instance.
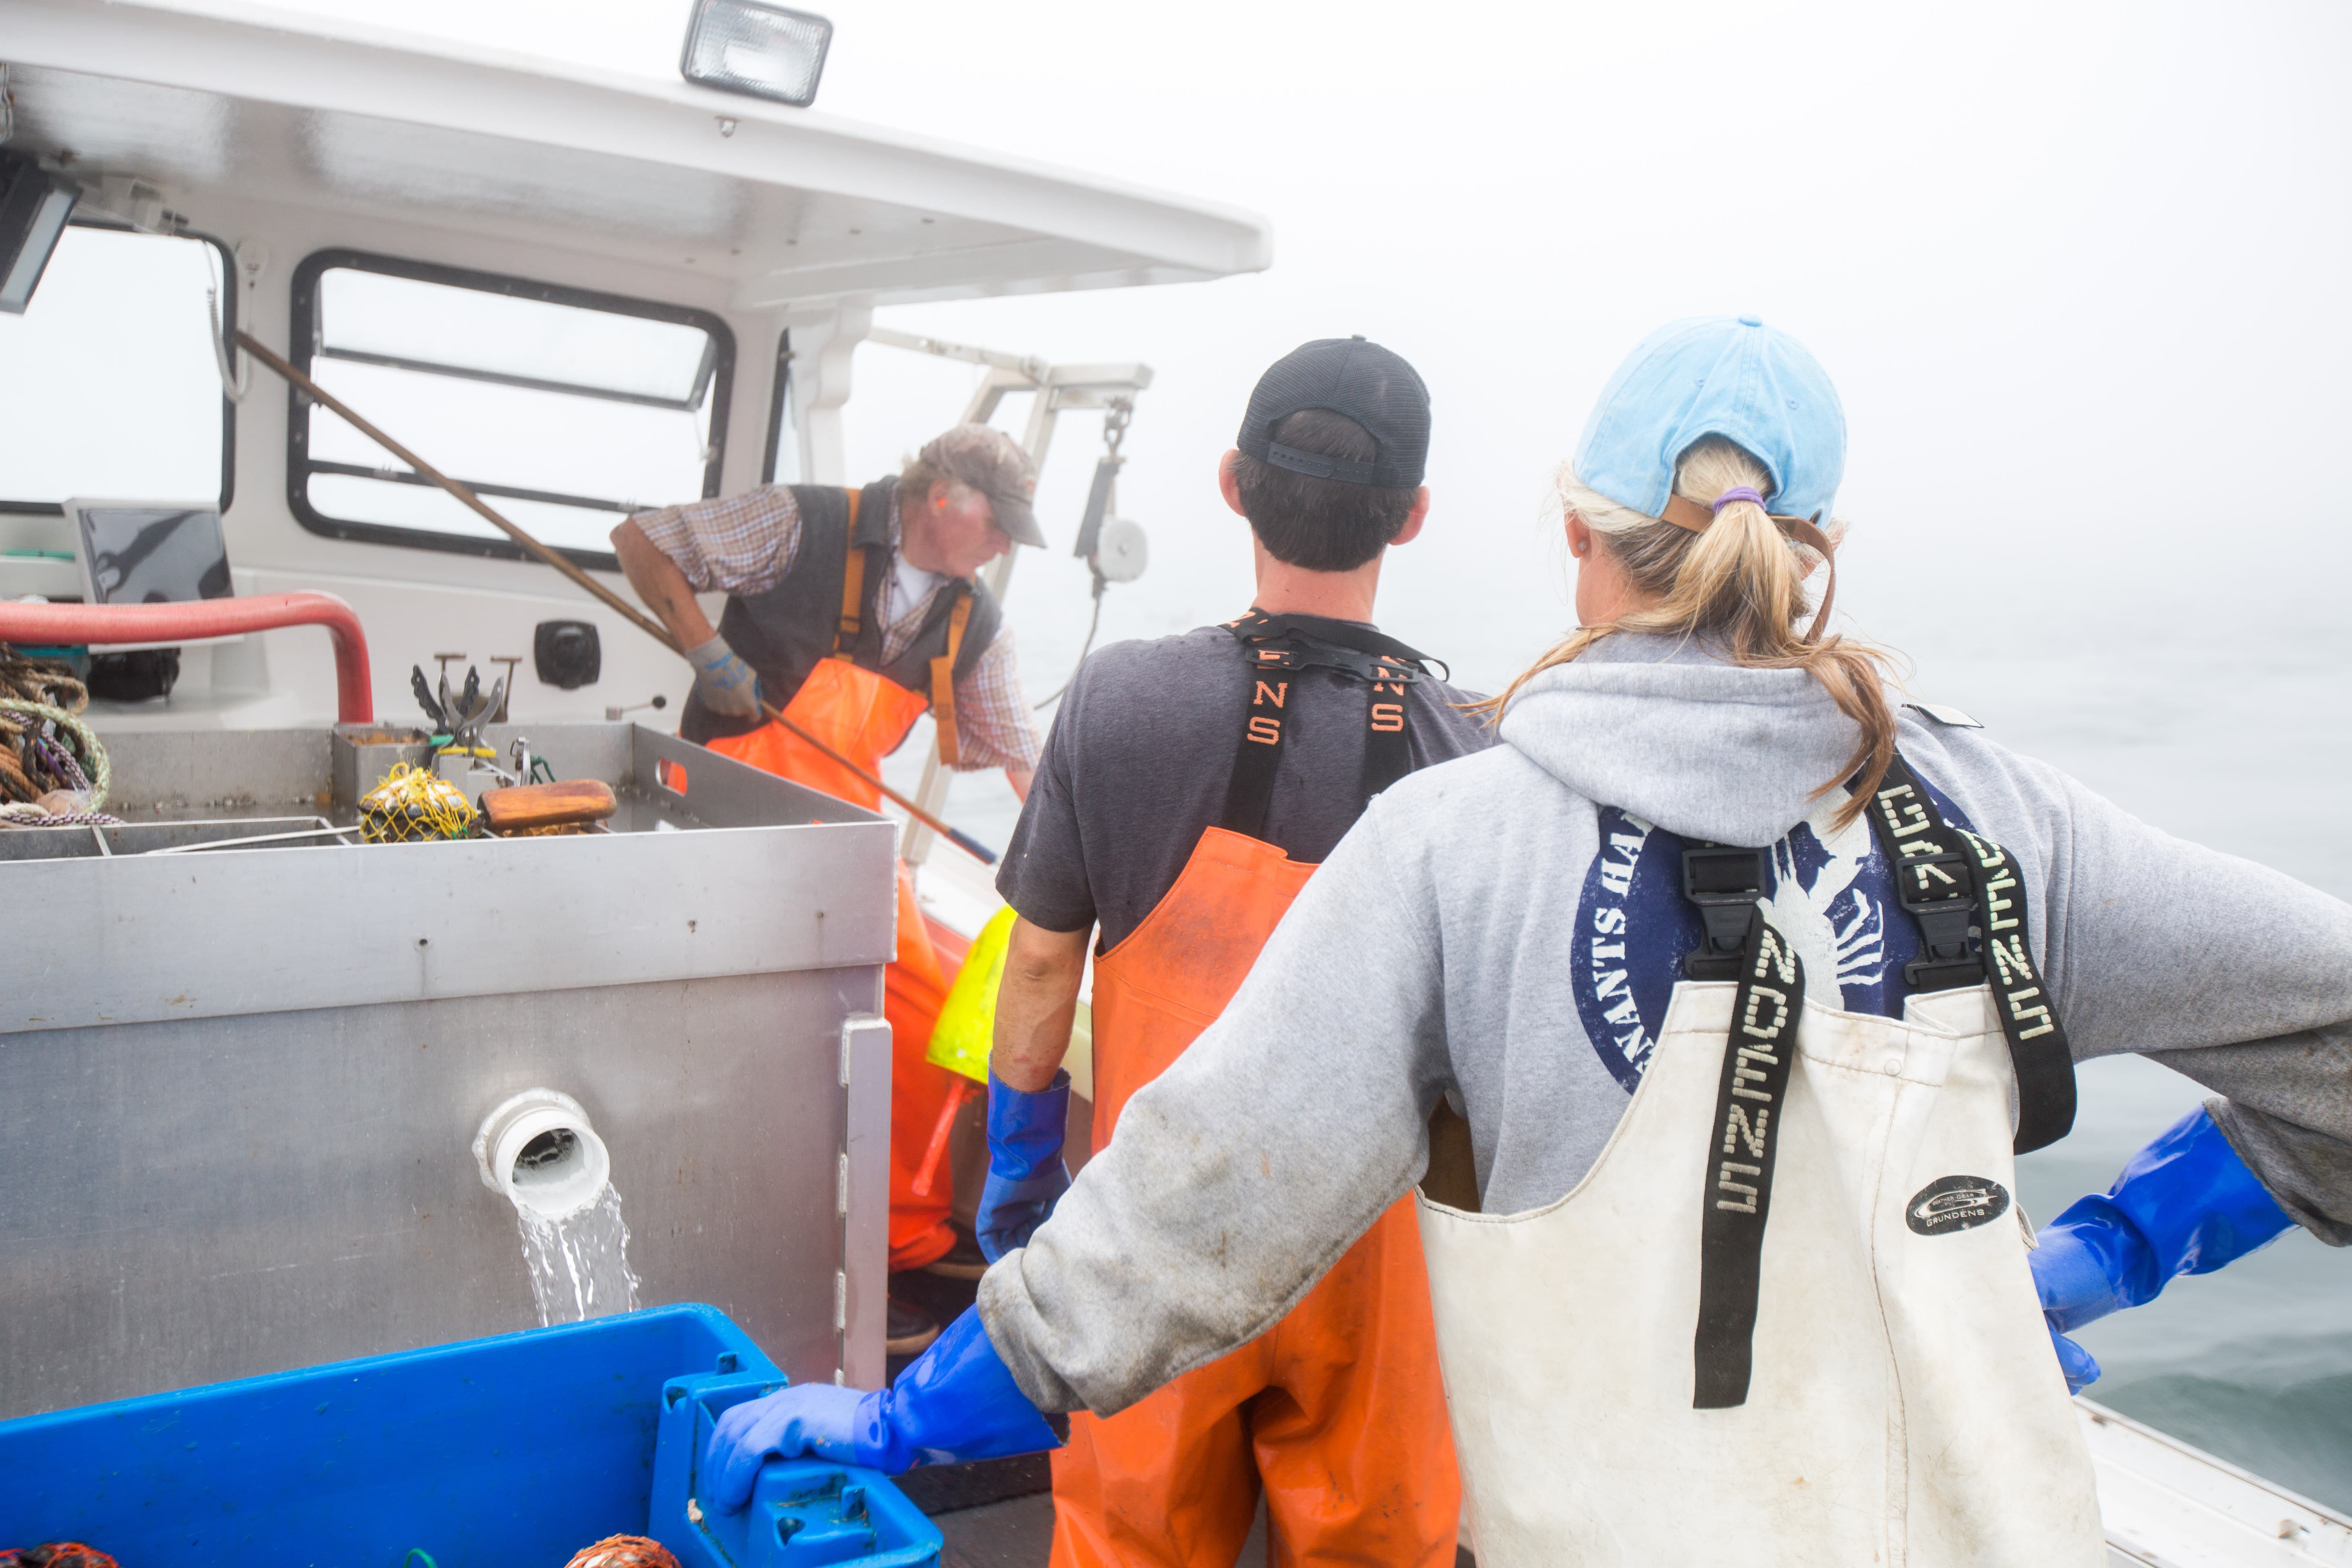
{"points": [[580, 293]]}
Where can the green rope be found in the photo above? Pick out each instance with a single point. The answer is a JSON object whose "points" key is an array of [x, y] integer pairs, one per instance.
{"points": [[416, 1551], [100, 769]]}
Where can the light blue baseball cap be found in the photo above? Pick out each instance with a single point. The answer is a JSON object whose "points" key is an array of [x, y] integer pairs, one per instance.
{"points": [[1716, 375]]}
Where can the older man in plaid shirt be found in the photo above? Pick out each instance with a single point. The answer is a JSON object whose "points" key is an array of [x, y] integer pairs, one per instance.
{"points": [[855, 612], [961, 502]]}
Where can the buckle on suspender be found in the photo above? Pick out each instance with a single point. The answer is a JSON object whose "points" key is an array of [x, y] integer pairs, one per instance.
{"points": [[1726, 884], [1947, 932]]}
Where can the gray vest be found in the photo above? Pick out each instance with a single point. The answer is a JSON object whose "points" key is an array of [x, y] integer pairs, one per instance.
{"points": [[783, 632]]}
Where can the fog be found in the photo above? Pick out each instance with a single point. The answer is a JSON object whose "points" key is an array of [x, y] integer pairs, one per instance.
{"points": [[2075, 271]]}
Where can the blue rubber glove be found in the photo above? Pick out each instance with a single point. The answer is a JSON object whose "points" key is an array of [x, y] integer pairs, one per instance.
{"points": [[1025, 1177], [2080, 1367], [2184, 1205], [958, 1402], [724, 682]]}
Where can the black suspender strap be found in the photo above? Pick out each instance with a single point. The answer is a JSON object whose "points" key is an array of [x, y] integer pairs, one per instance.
{"points": [[1727, 884], [1275, 647], [1387, 756], [2038, 1049], [1742, 1144], [1969, 898], [1932, 882], [1250, 788]]}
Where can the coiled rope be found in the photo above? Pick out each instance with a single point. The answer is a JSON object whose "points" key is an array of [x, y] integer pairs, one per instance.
{"points": [[39, 756], [44, 748]]}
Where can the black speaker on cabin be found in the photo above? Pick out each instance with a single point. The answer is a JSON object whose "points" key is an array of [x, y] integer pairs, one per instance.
{"points": [[567, 654]]}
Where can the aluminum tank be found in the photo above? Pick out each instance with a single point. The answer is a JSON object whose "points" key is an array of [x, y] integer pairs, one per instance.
{"points": [[241, 1087]]}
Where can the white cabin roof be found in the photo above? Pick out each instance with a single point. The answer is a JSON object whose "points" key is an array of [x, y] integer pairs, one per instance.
{"points": [[792, 205]]}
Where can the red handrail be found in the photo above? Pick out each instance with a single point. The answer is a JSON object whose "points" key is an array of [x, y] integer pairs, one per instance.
{"points": [[96, 625]]}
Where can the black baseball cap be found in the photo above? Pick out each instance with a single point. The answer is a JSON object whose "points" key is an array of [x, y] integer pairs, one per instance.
{"points": [[1349, 376]]}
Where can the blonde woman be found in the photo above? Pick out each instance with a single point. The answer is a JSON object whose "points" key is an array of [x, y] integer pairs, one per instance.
{"points": [[1709, 1009]]}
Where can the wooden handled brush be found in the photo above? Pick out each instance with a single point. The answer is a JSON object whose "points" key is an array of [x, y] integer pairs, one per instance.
{"points": [[525, 808]]}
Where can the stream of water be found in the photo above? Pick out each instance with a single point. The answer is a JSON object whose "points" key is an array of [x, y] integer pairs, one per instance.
{"points": [[579, 1264]]}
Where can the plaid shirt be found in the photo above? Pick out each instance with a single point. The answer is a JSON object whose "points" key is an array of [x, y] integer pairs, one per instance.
{"points": [[744, 544]]}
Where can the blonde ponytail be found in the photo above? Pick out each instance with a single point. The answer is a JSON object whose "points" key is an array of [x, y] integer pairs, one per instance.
{"points": [[1739, 583]]}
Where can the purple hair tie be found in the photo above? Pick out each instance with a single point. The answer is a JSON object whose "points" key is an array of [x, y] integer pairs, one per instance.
{"points": [[1740, 492]]}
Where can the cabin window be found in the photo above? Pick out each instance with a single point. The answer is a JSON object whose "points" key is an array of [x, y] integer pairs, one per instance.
{"points": [[566, 410], [108, 384]]}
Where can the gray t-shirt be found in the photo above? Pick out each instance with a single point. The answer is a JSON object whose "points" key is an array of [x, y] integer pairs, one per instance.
{"points": [[1138, 761]]}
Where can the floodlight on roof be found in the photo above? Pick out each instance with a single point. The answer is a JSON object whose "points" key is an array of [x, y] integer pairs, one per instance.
{"points": [[34, 206], [748, 47]]}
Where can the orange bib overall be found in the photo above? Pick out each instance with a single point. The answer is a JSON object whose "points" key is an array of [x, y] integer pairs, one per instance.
{"points": [[1336, 1411], [865, 716]]}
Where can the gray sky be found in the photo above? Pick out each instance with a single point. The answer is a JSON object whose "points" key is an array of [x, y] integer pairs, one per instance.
{"points": [[2074, 268]]}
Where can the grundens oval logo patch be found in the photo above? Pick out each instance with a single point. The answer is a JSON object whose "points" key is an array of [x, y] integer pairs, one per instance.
{"points": [[1955, 1203]]}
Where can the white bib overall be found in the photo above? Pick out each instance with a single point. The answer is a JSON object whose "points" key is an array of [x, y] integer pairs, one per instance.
{"points": [[1905, 1409]]}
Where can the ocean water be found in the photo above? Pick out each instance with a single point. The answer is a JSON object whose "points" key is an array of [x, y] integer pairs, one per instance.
{"points": [[2206, 698], [2223, 715]]}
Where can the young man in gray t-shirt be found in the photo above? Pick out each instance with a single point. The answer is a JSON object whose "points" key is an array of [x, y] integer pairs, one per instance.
{"points": [[1189, 788]]}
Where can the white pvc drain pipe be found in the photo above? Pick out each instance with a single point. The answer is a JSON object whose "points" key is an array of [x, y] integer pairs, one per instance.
{"points": [[539, 1152]]}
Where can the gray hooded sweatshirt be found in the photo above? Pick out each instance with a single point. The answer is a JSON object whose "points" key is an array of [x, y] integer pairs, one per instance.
{"points": [[1503, 931]]}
